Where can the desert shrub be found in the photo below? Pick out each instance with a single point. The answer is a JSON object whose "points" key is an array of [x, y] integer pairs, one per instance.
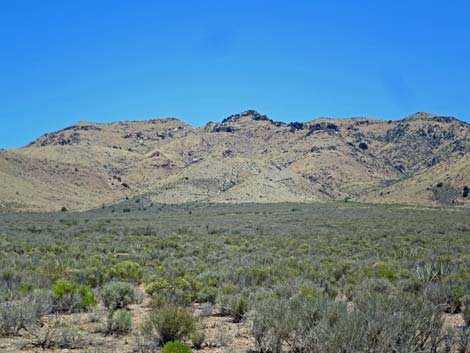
{"points": [[270, 325], [205, 310], [70, 297], [184, 290], [93, 274], [118, 295], [384, 270], [14, 316], [157, 286], [23, 314], [120, 322], [403, 322], [446, 296], [411, 285], [207, 294], [60, 335], [127, 271], [256, 276], [171, 323], [235, 306], [181, 291], [375, 324], [376, 285], [198, 337], [158, 301], [13, 285], [176, 347], [39, 303]]}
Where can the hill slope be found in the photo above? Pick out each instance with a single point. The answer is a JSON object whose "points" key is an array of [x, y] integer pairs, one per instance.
{"points": [[246, 158]]}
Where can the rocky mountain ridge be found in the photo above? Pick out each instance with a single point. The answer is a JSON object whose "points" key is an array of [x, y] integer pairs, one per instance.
{"points": [[247, 157]]}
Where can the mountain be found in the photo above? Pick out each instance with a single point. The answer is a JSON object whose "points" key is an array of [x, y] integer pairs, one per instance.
{"points": [[421, 159]]}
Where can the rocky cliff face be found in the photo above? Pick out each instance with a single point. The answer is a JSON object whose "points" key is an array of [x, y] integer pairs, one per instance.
{"points": [[247, 157]]}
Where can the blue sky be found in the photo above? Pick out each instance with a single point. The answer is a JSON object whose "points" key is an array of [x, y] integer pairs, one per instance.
{"points": [[68, 61]]}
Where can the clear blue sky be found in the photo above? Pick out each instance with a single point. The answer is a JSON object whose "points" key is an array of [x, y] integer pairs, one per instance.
{"points": [[101, 60]]}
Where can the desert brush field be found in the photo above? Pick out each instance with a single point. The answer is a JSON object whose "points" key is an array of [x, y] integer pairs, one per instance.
{"points": [[289, 277]]}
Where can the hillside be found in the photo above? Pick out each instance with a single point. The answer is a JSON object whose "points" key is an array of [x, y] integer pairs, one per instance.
{"points": [[248, 157]]}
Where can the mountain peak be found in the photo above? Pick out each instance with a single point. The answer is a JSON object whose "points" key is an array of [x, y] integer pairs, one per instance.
{"points": [[253, 114], [427, 117], [250, 116], [419, 116]]}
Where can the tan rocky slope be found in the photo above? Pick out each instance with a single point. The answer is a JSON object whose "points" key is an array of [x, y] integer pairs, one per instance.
{"points": [[246, 158]]}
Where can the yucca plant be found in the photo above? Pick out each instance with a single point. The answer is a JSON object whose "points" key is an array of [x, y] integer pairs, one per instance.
{"points": [[434, 270]]}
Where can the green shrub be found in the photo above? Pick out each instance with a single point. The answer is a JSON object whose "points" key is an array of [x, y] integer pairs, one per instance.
{"points": [[384, 270], [181, 291], [411, 285], [120, 322], [93, 275], [207, 295], [118, 295], [71, 297], [378, 285], [127, 271], [176, 347], [171, 323], [158, 301], [157, 286]]}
